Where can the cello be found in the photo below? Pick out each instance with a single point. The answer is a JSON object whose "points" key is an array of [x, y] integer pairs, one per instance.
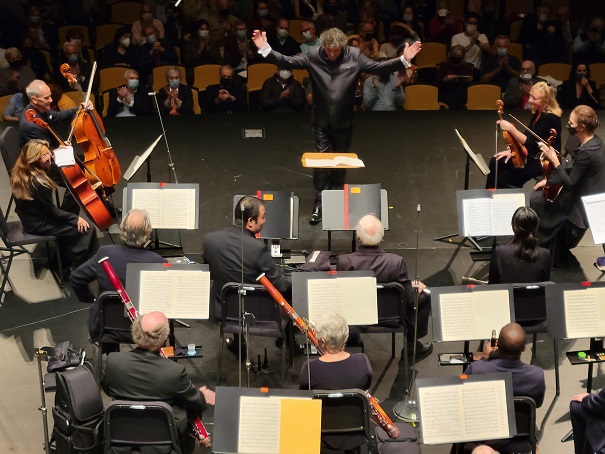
{"points": [[518, 152], [89, 132], [77, 184]]}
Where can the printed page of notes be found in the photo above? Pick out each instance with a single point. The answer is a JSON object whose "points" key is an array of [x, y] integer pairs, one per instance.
{"points": [[457, 316], [485, 422], [359, 303], [323, 296], [491, 309], [259, 425], [477, 217], [440, 414], [155, 294], [178, 209], [504, 206], [151, 201], [583, 314]]}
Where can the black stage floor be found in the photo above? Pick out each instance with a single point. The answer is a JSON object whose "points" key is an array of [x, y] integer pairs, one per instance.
{"points": [[417, 158]]}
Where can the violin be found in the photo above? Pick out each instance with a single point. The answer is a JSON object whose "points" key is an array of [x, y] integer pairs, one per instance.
{"points": [[550, 191], [89, 132], [77, 184], [518, 152]]}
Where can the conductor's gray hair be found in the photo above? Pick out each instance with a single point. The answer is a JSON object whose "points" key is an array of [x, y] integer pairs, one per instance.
{"points": [[370, 230], [333, 37], [135, 228], [333, 329]]}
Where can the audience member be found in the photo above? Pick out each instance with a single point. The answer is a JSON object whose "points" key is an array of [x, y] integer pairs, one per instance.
{"points": [[15, 107], [528, 380], [384, 92], [261, 20], [569, 28], [521, 259], [311, 38], [500, 68], [444, 25], [389, 267], [424, 10], [17, 76], [146, 20], [579, 88], [281, 41], [79, 67], [221, 22], [39, 33], [127, 100], [200, 49], [121, 51], [225, 97], [368, 12], [586, 411], [368, 45], [474, 43], [174, 25], [156, 51], [401, 34], [175, 98], [337, 14], [336, 369], [234, 248], [409, 18], [590, 46], [307, 9], [516, 95], [142, 374], [453, 77], [491, 21], [533, 25], [239, 50], [549, 45], [33, 58], [282, 93]]}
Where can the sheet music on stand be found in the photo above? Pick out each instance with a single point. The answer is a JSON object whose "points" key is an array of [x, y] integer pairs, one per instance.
{"points": [[269, 421], [476, 158], [282, 214], [465, 313], [485, 212], [179, 291], [170, 205], [576, 311], [450, 411], [595, 211], [351, 294]]}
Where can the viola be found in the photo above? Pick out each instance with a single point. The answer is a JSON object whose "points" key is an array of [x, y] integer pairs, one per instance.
{"points": [[518, 152], [550, 191], [77, 184], [88, 129]]}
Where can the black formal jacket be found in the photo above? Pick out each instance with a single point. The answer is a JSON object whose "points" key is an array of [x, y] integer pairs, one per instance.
{"points": [[506, 269], [29, 130], [228, 106], [541, 126], [185, 95], [568, 99], [272, 88], [223, 252], [290, 47], [141, 106], [334, 82], [143, 375], [594, 404]]}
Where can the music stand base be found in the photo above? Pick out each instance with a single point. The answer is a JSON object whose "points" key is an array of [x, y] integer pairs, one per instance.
{"points": [[406, 410]]}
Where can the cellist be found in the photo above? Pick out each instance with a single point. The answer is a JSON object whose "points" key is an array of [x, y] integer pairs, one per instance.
{"points": [[546, 116]]}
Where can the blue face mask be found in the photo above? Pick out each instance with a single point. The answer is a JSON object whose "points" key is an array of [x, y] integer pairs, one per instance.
{"points": [[151, 39], [72, 58], [132, 84], [263, 12], [174, 83]]}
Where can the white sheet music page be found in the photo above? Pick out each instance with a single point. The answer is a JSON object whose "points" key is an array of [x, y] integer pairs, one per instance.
{"points": [[477, 217], [191, 293], [323, 296], [259, 425], [151, 201], [482, 421], [594, 205], [178, 209], [491, 310], [584, 316], [457, 316], [504, 206], [359, 303], [155, 293], [441, 415]]}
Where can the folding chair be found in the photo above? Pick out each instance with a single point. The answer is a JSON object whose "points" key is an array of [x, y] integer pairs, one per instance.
{"points": [[483, 97], [525, 417], [9, 147], [421, 97]]}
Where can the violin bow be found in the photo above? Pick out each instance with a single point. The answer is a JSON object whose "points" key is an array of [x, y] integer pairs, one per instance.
{"points": [[86, 97], [533, 133]]}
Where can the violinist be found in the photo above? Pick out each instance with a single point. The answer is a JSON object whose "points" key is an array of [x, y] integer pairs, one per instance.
{"points": [[546, 116], [563, 222], [33, 189], [175, 98]]}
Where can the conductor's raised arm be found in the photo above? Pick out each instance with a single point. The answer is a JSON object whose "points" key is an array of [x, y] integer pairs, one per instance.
{"points": [[259, 38], [410, 51]]}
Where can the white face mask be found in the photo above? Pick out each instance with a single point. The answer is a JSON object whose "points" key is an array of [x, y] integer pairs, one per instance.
{"points": [[204, 33], [307, 34], [284, 74], [125, 42], [442, 12], [471, 29], [525, 76], [282, 32]]}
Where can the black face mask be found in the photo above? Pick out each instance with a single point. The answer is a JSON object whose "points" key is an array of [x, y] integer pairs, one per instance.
{"points": [[456, 60], [570, 129], [16, 64], [369, 37], [580, 76], [226, 82]]}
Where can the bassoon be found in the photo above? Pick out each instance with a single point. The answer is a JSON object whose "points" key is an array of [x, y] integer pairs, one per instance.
{"points": [[377, 412], [197, 427]]}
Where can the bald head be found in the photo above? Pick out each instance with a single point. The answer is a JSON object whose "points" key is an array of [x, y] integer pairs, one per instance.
{"points": [[152, 321], [511, 342], [484, 449], [150, 331], [370, 230], [135, 229]]}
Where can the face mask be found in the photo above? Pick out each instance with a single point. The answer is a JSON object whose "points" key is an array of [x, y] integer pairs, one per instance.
{"points": [[125, 42], [204, 33], [580, 75], [132, 84], [240, 34], [542, 18], [442, 12], [456, 60], [471, 29], [369, 37], [307, 35], [225, 82], [35, 19], [151, 39], [502, 51], [408, 17], [174, 83], [284, 74], [570, 129], [525, 76], [263, 12], [72, 58], [282, 32], [147, 16]]}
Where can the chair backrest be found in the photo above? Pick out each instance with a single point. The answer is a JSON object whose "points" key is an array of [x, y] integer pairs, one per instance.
{"points": [[525, 418], [47, 57], [196, 102], [126, 12], [205, 75], [9, 147], [256, 301], [159, 76], [516, 49], [530, 301], [258, 73], [62, 32], [559, 71], [104, 34], [4, 100], [483, 97], [432, 54], [137, 424], [421, 97], [112, 317], [76, 97], [345, 412], [112, 77], [390, 298], [105, 103], [300, 74], [597, 73], [296, 30]]}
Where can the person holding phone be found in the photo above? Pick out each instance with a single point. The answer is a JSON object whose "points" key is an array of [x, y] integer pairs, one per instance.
{"points": [[578, 89]]}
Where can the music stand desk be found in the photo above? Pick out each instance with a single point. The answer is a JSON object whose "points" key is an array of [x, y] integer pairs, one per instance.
{"points": [[315, 155]]}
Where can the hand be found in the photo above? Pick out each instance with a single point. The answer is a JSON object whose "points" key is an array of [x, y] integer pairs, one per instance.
{"points": [[579, 397], [419, 285], [526, 87], [504, 154], [584, 81], [285, 93], [122, 92], [223, 94], [540, 184], [89, 105], [549, 153], [410, 51], [259, 38], [209, 395], [449, 77], [506, 125], [83, 226]]}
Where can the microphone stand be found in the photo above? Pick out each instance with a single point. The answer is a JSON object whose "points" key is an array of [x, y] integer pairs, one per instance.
{"points": [[246, 319], [407, 409]]}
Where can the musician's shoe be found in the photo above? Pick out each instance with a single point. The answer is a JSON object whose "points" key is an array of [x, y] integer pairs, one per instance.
{"points": [[233, 347], [315, 216], [422, 350]]}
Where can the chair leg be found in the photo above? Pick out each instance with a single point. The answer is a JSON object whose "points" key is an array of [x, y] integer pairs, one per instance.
{"points": [[557, 379], [59, 275], [5, 271], [393, 345], [220, 357], [534, 345], [10, 203]]}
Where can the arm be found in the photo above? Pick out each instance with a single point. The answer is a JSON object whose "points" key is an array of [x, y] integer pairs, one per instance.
{"points": [[595, 402], [300, 61], [267, 265], [268, 98], [494, 272], [81, 277], [296, 101], [188, 395], [396, 64], [304, 376], [370, 93], [579, 168], [11, 108], [43, 197]]}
